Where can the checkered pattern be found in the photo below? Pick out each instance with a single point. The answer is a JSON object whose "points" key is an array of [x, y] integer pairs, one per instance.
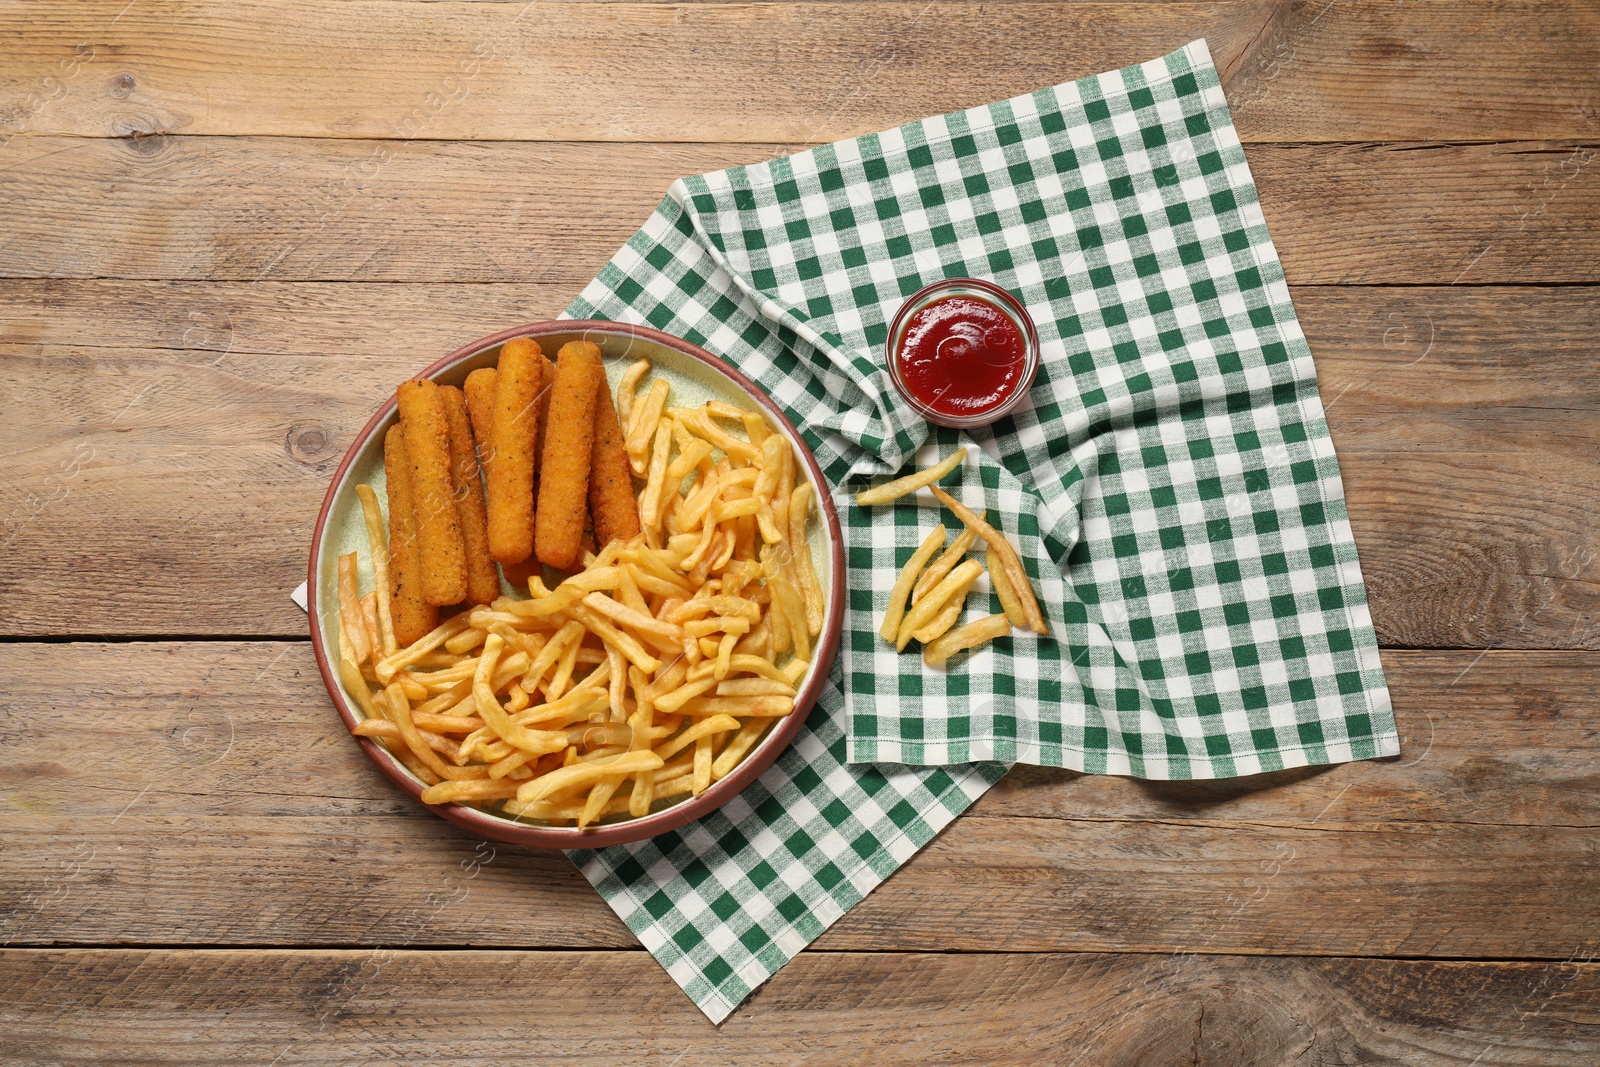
{"points": [[726, 901], [1172, 488]]}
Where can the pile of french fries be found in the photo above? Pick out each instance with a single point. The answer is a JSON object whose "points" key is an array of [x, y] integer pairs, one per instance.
{"points": [[662, 660], [928, 598]]}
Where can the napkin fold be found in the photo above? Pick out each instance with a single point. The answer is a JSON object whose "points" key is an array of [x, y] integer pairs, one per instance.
{"points": [[1171, 487]]}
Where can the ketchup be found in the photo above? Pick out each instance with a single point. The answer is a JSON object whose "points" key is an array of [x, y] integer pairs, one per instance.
{"points": [[962, 356]]}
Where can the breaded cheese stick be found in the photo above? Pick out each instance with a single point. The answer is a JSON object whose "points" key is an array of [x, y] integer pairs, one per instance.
{"points": [[516, 428], [564, 485], [413, 616], [612, 506], [483, 584], [443, 554], [479, 390]]}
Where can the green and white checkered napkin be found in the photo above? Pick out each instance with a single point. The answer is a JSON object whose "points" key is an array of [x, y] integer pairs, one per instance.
{"points": [[1172, 487]]}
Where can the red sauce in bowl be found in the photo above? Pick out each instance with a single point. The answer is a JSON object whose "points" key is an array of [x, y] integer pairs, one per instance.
{"points": [[962, 356]]}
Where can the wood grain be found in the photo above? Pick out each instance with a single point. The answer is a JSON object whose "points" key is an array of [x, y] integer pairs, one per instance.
{"points": [[1309, 71], [476, 1007], [287, 209], [192, 428], [192, 794]]}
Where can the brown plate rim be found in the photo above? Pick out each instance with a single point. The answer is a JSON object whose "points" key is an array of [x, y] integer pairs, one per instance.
{"points": [[763, 756]]}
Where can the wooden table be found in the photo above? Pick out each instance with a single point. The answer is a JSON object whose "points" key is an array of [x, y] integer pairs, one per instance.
{"points": [[226, 229]]}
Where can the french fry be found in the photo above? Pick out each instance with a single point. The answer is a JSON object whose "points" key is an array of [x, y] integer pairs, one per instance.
{"points": [[908, 578], [1008, 558], [702, 765], [689, 458], [760, 707], [953, 584], [358, 688], [655, 482], [600, 793], [581, 774], [513, 439], [414, 651], [715, 724], [378, 545], [800, 547], [943, 565], [767, 484], [971, 635], [568, 447], [736, 748], [411, 614], [628, 387], [753, 687], [478, 790], [883, 494], [629, 646], [350, 615], [699, 420], [946, 617], [442, 551], [1002, 588], [647, 413]]}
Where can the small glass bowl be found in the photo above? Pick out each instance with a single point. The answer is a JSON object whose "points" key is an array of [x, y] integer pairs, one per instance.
{"points": [[992, 295]]}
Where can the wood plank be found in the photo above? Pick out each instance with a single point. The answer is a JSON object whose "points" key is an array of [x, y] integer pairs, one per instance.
{"points": [[190, 794], [220, 209], [194, 426], [474, 1007], [1356, 71]]}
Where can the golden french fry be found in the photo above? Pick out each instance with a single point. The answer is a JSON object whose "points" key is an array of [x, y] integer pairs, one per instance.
{"points": [[953, 584], [883, 494], [800, 546], [945, 619], [756, 428], [600, 798], [715, 724], [646, 416], [971, 635], [702, 766], [351, 620], [581, 774], [650, 501], [405, 657], [908, 577], [1002, 588], [767, 484], [760, 707], [741, 743], [699, 421], [357, 687], [677, 698], [943, 565], [689, 458], [1008, 557], [452, 792], [378, 545], [753, 687], [627, 387]]}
